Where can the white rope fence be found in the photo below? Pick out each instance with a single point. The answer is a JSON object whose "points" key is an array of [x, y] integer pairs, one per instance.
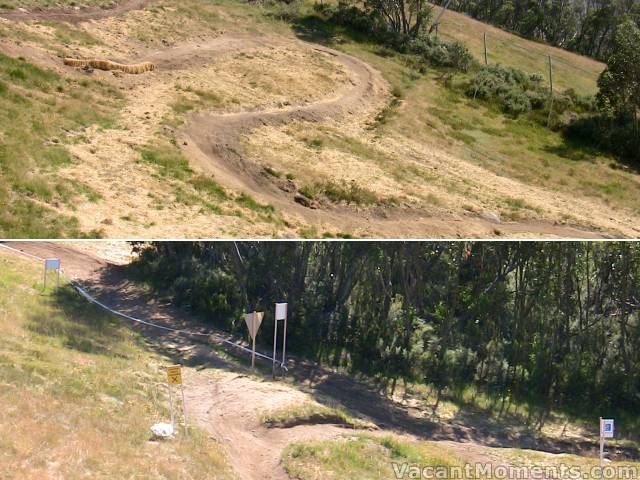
{"points": [[95, 301]]}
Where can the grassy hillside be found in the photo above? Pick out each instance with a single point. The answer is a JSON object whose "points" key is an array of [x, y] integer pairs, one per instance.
{"points": [[68, 171], [569, 70], [79, 391], [41, 113], [432, 112]]}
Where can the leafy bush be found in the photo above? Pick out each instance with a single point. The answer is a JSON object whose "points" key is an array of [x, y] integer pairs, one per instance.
{"points": [[537, 98], [515, 91], [442, 54], [366, 22], [289, 11], [582, 103], [514, 101], [369, 22]]}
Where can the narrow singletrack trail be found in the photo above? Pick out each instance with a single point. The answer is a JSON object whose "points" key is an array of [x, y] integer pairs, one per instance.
{"points": [[212, 144]]}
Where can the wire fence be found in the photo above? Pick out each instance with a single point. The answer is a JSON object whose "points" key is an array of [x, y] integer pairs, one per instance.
{"points": [[90, 298]]}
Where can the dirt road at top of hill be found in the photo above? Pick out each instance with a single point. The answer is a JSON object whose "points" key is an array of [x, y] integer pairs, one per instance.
{"points": [[73, 15]]}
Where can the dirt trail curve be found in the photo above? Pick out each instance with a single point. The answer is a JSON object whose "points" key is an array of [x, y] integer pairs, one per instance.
{"points": [[223, 403], [213, 145], [213, 140], [72, 15]]}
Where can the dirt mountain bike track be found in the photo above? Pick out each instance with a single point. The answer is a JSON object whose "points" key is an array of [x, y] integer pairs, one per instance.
{"points": [[226, 399], [212, 144]]}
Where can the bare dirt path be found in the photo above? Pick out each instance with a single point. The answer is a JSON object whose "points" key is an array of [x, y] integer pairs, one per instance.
{"points": [[227, 401], [212, 144], [73, 15], [228, 406]]}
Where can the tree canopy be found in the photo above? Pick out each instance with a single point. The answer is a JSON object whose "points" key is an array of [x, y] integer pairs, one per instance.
{"points": [[555, 323], [619, 84]]}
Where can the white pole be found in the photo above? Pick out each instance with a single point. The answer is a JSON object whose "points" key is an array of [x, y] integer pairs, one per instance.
{"points": [[284, 336], [253, 351], [275, 343], [184, 411], [173, 425], [45, 275], [601, 447]]}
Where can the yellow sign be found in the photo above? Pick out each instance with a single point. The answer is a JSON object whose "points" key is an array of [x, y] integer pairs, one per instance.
{"points": [[174, 374]]}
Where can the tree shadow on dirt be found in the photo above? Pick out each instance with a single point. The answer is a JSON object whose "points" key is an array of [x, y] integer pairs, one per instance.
{"points": [[360, 398], [192, 345]]}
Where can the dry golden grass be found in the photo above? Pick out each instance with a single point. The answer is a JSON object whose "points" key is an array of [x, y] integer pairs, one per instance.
{"points": [[79, 391]]}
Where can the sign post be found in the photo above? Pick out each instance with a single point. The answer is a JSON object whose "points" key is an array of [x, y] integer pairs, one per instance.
{"points": [[253, 321], [281, 314], [606, 431], [52, 264], [174, 377]]}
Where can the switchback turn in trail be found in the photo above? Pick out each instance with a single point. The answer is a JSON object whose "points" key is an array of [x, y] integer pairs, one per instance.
{"points": [[214, 141]]}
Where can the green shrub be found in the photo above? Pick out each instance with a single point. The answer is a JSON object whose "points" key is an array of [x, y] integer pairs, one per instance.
{"points": [[366, 22], [582, 103], [516, 92], [538, 99], [514, 101], [442, 54], [287, 11]]}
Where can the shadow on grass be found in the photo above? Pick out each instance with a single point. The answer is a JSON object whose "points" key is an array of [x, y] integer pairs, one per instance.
{"points": [[595, 135], [574, 149], [81, 326]]}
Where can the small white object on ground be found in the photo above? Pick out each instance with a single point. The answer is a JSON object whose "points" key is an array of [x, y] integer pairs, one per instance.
{"points": [[162, 430]]}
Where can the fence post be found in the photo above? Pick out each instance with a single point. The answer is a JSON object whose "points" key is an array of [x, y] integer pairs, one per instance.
{"points": [[550, 92], [486, 60]]}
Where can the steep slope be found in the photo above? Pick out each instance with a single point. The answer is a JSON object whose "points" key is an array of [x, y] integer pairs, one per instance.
{"points": [[249, 131]]}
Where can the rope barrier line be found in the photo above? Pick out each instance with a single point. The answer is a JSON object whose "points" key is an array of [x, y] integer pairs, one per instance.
{"points": [[94, 300], [21, 252]]}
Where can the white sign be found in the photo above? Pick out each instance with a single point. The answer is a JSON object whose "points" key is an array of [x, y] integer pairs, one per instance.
{"points": [[281, 311], [606, 428], [253, 321], [52, 264]]}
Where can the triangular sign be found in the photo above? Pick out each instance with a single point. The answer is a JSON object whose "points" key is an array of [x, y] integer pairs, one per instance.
{"points": [[253, 321]]}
